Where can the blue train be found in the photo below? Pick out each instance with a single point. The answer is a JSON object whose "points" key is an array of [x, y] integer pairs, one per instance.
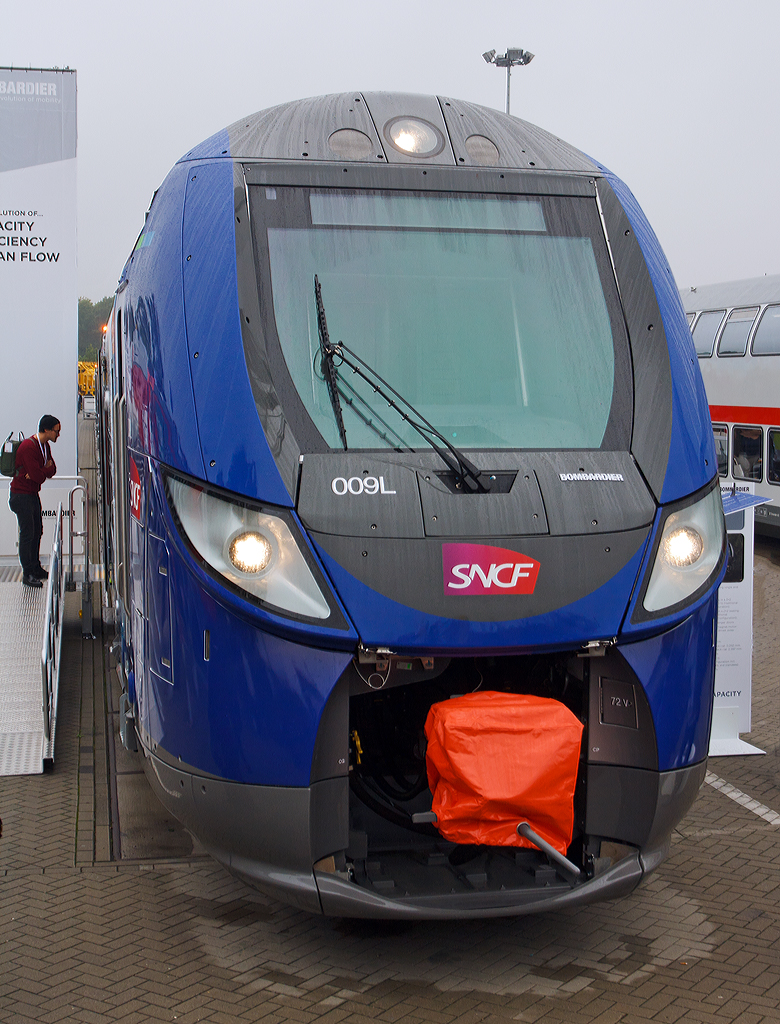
{"points": [[400, 409]]}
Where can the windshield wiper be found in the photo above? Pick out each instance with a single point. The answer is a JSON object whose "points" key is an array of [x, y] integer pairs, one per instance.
{"points": [[329, 370], [460, 465]]}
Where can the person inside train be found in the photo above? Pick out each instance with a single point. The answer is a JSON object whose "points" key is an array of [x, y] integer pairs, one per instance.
{"points": [[747, 453]]}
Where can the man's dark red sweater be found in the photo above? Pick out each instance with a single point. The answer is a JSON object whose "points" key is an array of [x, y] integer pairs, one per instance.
{"points": [[31, 468]]}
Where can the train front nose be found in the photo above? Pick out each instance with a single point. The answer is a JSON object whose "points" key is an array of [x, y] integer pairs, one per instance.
{"points": [[548, 556]]}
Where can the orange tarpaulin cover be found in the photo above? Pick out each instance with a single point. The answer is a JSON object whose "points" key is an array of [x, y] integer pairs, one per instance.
{"points": [[496, 759]]}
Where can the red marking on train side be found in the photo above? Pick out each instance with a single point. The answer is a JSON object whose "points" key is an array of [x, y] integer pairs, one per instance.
{"points": [[135, 491], [744, 414]]}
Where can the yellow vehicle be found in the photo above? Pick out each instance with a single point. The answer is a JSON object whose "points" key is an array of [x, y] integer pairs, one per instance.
{"points": [[87, 374]]}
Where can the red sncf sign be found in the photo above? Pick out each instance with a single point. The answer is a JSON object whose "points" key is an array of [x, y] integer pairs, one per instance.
{"points": [[480, 569], [135, 490]]}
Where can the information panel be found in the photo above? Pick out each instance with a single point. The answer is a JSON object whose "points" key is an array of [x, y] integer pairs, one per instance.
{"points": [[38, 289], [734, 656]]}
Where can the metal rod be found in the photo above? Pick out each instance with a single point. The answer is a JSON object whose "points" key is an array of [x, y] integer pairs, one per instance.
{"points": [[508, 79], [524, 829], [74, 534], [51, 627]]}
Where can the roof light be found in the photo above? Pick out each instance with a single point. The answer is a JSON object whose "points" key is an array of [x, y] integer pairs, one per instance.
{"points": [[414, 137], [482, 150], [350, 144]]}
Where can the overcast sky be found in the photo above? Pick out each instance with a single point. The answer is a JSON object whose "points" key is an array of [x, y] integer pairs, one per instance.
{"points": [[678, 97]]}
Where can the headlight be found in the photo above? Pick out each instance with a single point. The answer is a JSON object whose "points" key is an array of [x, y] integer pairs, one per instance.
{"points": [[250, 552], [253, 549], [689, 553], [682, 547]]}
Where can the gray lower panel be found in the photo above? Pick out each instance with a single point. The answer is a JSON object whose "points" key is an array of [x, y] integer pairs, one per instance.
{"points": [[272, 836], [269, 835], [341, 898], [636, 806]]}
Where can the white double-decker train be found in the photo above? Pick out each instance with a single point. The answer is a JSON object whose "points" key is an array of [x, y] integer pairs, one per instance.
{"points": [[736, 331]]}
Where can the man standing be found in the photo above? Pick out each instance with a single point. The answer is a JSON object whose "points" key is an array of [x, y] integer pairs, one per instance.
{"points": [[34, 464]]}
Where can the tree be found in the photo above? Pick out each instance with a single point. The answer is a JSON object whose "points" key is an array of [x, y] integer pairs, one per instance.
{"points": [[92, 317]]}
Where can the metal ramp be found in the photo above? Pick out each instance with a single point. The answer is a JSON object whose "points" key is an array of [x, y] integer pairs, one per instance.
{"points": [[30, 649]]}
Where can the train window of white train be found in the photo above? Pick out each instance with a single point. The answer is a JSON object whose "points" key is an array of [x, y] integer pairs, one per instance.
{"points": [[705, 331], [773, 457], [767, 338], [734, 336], [721, 436], [748, 444]]}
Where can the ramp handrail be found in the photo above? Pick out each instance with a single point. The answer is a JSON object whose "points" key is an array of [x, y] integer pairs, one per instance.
{"points": [[73, 533], [52, 639]]}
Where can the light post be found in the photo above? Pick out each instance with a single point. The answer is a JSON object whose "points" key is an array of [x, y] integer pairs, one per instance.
{"points": [[512, 58]]}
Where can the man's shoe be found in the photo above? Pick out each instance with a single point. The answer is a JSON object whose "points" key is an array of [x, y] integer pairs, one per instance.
{"points": [[31, 581], [40, 573]]}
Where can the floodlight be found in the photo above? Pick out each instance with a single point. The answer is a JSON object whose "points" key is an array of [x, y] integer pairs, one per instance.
{"points": [[514, 57]]}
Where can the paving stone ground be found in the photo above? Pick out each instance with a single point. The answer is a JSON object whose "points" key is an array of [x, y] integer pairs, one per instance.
{"points": [[92, 931]]}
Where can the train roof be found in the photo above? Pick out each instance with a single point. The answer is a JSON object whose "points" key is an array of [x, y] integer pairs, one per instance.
{"points": [[753, 291], [357, 126]]}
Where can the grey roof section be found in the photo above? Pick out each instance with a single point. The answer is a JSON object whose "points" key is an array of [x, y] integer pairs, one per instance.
{"points": [[753, 291], [519, 143], [37, 117], [300, 131]]}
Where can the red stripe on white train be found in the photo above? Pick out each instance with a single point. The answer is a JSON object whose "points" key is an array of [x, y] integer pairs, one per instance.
{"points": [[744, 414]]}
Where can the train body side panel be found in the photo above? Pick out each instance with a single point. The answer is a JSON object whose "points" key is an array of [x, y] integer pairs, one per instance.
{"points": [[691, 452], [160, 410], [235, 451]]}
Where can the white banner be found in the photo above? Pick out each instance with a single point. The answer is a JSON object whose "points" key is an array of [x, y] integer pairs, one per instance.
{"points": [[734, 655], [38, 289]]}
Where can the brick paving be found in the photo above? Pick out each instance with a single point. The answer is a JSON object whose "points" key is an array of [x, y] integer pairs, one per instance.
{"points": [[93, 932]]}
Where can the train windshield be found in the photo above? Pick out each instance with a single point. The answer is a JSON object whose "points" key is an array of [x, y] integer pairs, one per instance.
{"points": [[494, 316]]}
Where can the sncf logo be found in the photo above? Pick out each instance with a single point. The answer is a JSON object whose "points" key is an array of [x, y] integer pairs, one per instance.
{"points": [[135, 491], [481, 569]]}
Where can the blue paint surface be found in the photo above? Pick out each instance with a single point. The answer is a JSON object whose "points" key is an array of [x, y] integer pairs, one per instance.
{"points": [[251, 712], [677, 671], [160, 407], [692, 460], [236, 455]]}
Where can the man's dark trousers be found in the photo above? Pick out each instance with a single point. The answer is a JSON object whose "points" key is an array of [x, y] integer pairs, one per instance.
{"points": [[27, 508]]}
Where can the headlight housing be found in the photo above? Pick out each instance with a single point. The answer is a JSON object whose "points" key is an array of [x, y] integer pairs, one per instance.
{"points": [[688, 556], [253, 549]]}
